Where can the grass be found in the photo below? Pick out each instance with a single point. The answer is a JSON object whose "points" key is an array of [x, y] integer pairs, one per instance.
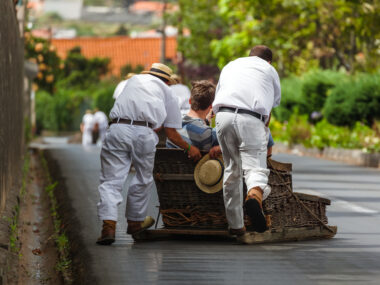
{"points": [[64, 264], [13, 221]]}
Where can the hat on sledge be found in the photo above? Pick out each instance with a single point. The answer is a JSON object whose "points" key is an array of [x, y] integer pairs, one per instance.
{"points": [[208, 174], [161, 70]]}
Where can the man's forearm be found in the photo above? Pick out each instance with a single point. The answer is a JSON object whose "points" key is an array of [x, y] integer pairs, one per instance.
{"points": [[176, 138]]}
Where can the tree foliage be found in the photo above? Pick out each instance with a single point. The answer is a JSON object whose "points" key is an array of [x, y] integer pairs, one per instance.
{"points": [[82, 72], [304, 34]]}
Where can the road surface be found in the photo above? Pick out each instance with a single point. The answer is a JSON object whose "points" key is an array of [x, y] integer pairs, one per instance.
{"points": [[352, 257]]}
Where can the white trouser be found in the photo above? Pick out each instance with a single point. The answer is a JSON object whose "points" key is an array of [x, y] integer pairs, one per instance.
{"points": [[122, 145], [243, 140], [87, 137], [102, 135]]}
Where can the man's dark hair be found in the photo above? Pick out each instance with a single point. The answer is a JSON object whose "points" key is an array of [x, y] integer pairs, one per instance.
{"points": [[202, 94], [262, 51]]}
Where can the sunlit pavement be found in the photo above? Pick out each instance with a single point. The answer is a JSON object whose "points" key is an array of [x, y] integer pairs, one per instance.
{"points": [[352, 257]]}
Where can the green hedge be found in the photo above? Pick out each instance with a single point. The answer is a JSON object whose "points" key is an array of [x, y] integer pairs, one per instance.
{"points": [[357, 100], [297, 130], [342, 99], [316, 86], [64, 110], [291, 99], [306, 94]]}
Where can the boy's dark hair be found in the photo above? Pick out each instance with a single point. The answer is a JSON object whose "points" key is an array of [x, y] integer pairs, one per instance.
{"points": [[262, 51], [202, 94]]}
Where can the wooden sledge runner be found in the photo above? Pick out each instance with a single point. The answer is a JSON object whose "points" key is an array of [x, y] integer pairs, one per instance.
{"points": [[187, 211]]}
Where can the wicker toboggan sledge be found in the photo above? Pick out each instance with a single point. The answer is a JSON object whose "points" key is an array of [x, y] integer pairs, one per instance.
{"points": [[186, 210]]}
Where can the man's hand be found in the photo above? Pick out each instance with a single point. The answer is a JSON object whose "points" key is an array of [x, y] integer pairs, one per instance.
{"points": [[194, 153], [176, 138], [215, 151], [210, 115]]}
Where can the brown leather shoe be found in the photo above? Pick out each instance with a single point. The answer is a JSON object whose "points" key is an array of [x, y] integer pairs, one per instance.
{"points": [[108, 233], [254, 209], [237, 232], [135, 227]]}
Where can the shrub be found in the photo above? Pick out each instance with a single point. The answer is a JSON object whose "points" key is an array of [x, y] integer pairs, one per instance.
{"points": [[353, 101], [41, 52], [102, 97], [306, 94], [295, 131], [128, 68], [324, 134], [45, 118], [59, 112], [81, 72], [316, 87], [291, 92]]}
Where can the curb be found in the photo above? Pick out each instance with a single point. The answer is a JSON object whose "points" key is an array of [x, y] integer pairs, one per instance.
{"points": [[350, 156]]}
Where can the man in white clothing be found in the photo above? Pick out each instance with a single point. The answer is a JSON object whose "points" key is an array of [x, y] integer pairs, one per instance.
{"points": [[86, 128], [119, 88], [100, 122], [247, 90], [182, 92], [145, 104]]}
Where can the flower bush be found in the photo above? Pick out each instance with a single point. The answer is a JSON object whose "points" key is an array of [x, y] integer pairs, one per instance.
{"points": [[323, 134], [41, 52]]}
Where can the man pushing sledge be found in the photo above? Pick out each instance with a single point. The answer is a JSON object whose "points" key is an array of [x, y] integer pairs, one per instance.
{"points": [[247, 90], [146, 103]]}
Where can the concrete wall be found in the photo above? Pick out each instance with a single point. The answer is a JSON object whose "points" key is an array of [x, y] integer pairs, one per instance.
{"points": [[11, 101]]}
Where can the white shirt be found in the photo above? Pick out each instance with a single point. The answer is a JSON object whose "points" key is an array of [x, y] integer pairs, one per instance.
{"points": [[119, 88], [182, 92], [249, 83], [101, 119], [147, 98]]}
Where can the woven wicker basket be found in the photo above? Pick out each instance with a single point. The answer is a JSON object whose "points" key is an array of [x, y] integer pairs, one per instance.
{"points": [[184, 205]]}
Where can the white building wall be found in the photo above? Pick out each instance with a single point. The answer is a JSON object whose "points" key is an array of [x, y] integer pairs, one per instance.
{"points": [[67, 9]]}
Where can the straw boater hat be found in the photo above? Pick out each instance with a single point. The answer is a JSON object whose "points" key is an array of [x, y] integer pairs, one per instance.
{"points": [[176, 78], [129, 75], [162, 71], [208, 174]]}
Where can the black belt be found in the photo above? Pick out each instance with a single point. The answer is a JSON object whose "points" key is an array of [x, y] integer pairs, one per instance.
{"points": [[242, 111], [130, 122]]}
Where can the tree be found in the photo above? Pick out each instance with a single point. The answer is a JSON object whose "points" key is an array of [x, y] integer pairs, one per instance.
{"points": [[198, 24], [303, 34]]}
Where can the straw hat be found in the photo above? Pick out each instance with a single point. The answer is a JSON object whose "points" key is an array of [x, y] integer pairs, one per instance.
{"points": [[208, 174], [176, 78], [129, 75], [162, 71]]}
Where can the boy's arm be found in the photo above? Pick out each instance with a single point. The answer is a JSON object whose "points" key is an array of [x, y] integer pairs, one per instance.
{"points": [[192, 151]]}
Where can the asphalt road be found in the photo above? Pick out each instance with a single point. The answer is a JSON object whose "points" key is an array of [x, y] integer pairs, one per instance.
{"points": [[351, 257]]}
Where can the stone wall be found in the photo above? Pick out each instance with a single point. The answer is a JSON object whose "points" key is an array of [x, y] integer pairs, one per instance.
{"points": [[11, 100], [11, 133]]}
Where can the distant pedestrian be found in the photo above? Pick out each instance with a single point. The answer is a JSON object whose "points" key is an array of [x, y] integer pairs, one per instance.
{"points": [[100, 125], [182, 92], [119, 88], [145, 104], [86, 128], [247, 90]]}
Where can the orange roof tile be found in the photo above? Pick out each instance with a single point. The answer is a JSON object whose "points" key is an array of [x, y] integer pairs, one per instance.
{"points": [[153, 7], [149, 6], [121, 50]]}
